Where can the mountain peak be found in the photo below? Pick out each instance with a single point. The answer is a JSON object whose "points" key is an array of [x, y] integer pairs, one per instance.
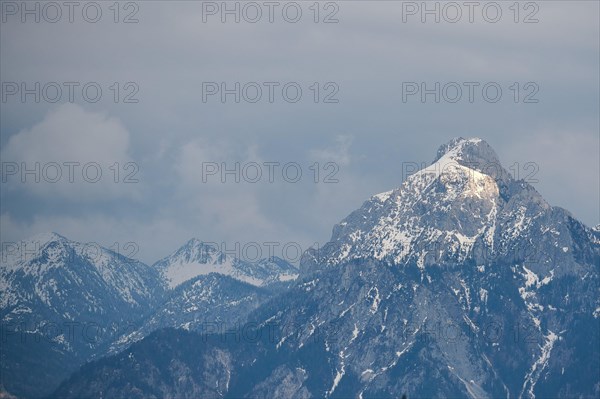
{"points": [[457, 143], [473, 152], [194, 241], [197, 258], [44, 238], [198, 249], [465, 205], [15, 253]]}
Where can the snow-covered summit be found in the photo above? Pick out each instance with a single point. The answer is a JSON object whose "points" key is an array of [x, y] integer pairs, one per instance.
{"points": [[462, 206], [197, 258], [47, 237], [463, 167], [471, 151], [12, 254], [473, 158]]}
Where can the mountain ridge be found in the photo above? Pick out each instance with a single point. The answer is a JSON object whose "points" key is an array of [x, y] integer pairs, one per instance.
{"points": [[197, 257]]}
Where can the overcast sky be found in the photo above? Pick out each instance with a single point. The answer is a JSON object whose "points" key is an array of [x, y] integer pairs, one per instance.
{"points": [[364, 126]]}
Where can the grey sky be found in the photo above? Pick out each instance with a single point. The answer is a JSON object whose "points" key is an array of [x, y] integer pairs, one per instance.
{"points": [[369, 133]]}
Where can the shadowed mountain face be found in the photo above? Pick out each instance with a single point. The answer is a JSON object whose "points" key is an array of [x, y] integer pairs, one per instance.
{"points": [[463, 282]]}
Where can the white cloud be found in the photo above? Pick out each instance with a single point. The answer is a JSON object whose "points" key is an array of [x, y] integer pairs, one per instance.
{"points": [[369, 53], [74, 154], [339, 154], [232, 209]]}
